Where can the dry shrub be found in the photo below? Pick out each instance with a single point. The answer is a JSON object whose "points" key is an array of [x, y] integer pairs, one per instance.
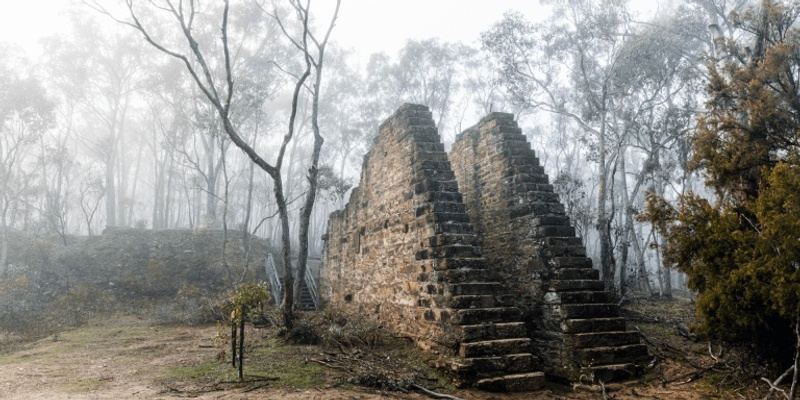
{"points": [[352, 332]]}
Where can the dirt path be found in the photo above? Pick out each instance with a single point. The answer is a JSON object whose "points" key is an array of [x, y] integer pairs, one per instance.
{"points": [[127, 359]]}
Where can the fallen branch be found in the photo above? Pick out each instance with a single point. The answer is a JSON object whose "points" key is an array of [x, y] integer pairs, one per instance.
{"points": [[692, 375], [773, 386], [717, 357], [343, 368], [434, 394], [603, 390], [250, 389]]}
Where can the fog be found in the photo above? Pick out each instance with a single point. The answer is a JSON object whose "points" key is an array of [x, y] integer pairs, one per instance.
{"points": [[122, 118]]}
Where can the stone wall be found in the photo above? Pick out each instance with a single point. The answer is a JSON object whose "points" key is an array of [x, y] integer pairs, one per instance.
{"points": [[503, 184], [532, 249], [513, 295], [378, 256]]}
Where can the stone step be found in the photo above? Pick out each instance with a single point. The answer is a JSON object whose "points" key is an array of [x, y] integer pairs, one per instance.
{"points": [[616, 372], [432, 165], [603, 339], [474, 288], [577, 297], [553, 230], [497, 347], [452, 227], [464, 275], [448, 239], [449, 251], [473, 301], [578, 311], [576, 274], [527, 382], [565, 250], [474, 316], [572, 262], [530, 177], [501, 330], [444, 197], [533, 207], [551, 220], [441, 217], [431, 154], [539, 192], [596, 356], [468, 370], [574, 285], [519, 148], [459, 263], [563, 241], [593, 325]]}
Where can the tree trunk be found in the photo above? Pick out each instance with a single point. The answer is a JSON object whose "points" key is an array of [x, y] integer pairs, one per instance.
{"points": [[111, 199], [286, 248], [241, 347], [796, 374], [603, 222], [311, 194], [233, 343], [642, 282], [666, 271]]}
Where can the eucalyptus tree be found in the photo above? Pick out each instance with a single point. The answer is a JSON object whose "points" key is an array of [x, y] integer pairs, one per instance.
{"points": [[568, 67], [106, 71], [219, 89], [659, 67], [26, 113], [629, 87]]}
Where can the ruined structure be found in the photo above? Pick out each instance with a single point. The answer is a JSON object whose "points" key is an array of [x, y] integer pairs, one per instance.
{"points": [[472, 256]]}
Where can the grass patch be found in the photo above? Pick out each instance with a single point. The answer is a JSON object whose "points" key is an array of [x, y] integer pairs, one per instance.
{"points": [[83, 385], [204, 371], [267, 360]]}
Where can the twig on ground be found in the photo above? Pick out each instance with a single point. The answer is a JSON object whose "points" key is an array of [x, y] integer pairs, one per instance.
{"points": [[433, 394], [250, 389], [715, 357], [773, 386], [329, 365], [693, 376], [603, 389]]}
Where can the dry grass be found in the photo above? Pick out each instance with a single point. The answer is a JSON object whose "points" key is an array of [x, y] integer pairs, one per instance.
{"points": [[126, 357]]}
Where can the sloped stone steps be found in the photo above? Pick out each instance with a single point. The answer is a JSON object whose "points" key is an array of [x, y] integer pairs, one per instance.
{"points": [[592, 332], [495, 352]]}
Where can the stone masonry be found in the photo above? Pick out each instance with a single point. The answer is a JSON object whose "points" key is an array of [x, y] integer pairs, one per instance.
{"points": [[477, 262], [526, 237]]}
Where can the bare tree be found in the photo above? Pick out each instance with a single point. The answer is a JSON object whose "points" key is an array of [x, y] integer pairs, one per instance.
{"points": [[220, 93]]}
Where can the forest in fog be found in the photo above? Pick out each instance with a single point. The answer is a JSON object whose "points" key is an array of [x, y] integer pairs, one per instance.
{"points": [[107, 130], [156, 157]]}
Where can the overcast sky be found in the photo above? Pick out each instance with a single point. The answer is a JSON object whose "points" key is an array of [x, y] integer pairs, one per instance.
{"points": [[369, 26]]}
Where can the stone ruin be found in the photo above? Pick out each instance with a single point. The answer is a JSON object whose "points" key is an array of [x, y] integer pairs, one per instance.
{"points": [[472, 256]]}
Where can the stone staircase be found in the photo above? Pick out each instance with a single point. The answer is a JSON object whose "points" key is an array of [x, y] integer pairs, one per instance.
{"points": [[583, 328], [576, 327], [495, 352]]}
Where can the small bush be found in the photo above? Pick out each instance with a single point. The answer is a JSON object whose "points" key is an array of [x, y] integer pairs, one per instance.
{"points": [[352, 333], [303, 332]]}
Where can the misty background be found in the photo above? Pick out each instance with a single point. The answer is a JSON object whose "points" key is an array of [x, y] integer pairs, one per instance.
{"points": [[100, 129]]}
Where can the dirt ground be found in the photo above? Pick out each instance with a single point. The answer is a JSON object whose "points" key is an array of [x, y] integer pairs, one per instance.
{"points": [[126, 358]]}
